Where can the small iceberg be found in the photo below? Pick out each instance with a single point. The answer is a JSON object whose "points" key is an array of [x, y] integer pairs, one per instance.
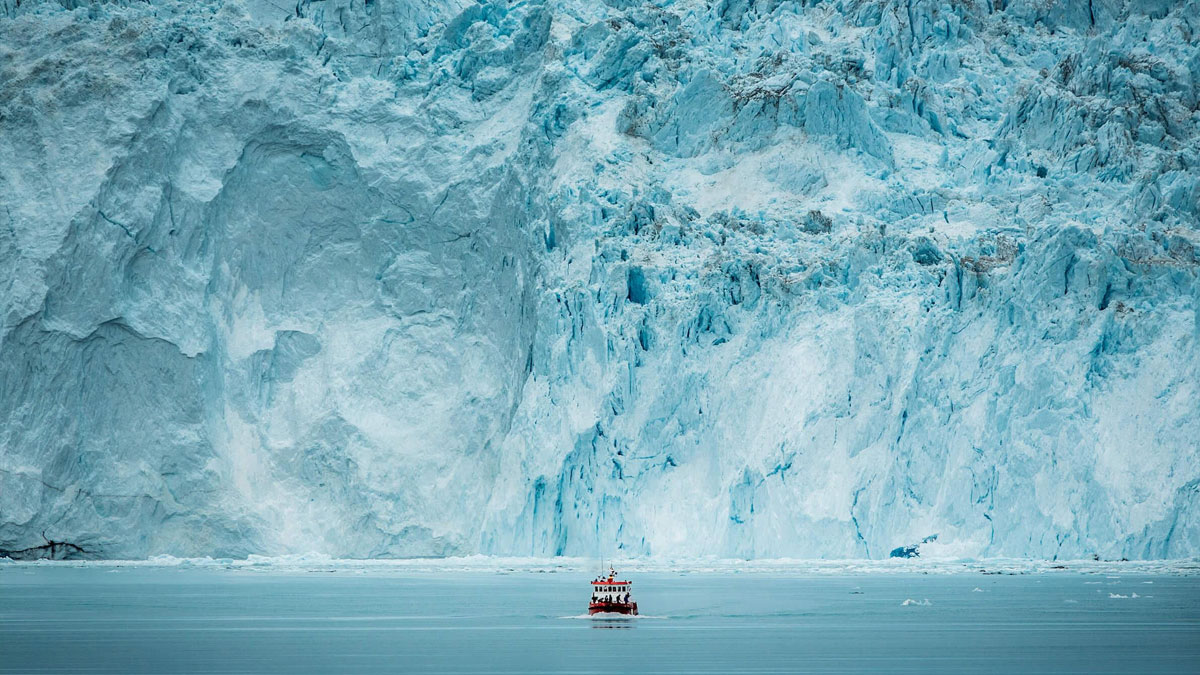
{"points": [[912, 550]]}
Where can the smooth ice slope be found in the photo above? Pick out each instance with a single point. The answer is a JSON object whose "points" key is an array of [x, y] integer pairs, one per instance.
{"points": [[746, 278]]}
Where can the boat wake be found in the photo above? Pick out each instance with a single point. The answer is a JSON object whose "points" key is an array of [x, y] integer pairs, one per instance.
{"points": [[612, 616]]}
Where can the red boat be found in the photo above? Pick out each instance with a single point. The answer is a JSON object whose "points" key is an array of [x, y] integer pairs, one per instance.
{"points": [[611, 596]]}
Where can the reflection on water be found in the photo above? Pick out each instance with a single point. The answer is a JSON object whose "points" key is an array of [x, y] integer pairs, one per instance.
{"points": [[622, 622]]}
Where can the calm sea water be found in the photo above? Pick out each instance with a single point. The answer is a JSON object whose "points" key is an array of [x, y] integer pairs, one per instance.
{"points": [[138, 620]]}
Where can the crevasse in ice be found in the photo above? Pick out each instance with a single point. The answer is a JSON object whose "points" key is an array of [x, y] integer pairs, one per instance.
{"points": [[744, 278]]}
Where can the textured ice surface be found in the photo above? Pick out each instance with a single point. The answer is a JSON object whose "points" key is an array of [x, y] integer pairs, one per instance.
{"points": [[748, 279]]}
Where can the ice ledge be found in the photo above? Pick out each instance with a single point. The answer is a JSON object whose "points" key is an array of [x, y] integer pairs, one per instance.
{"points": [[517, 565]]}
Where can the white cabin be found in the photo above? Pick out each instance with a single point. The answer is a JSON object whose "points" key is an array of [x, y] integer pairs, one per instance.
{"points": [[610, 590]]}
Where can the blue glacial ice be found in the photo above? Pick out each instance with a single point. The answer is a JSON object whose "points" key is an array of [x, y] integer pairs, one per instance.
{"points": [[746, 278]]}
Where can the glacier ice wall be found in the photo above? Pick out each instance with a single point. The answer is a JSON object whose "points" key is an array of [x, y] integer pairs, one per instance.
{"points": [[740, 278]]}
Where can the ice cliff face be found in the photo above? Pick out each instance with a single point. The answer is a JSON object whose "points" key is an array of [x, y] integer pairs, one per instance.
{"points": [[740, 278]]}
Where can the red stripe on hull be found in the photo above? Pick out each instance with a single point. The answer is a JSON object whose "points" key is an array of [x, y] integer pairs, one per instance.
{"points": [[613, 608]]}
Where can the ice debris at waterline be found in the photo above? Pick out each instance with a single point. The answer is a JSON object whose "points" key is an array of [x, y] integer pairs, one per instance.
{"points": [[574, 567], [749, 279], [913, 550]]}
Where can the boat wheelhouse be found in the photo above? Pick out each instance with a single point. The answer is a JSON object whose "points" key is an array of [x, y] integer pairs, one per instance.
{"points": [[612, 596]]}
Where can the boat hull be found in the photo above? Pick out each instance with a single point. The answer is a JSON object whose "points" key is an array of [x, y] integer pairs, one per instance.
{"points": [[629, 608]]}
